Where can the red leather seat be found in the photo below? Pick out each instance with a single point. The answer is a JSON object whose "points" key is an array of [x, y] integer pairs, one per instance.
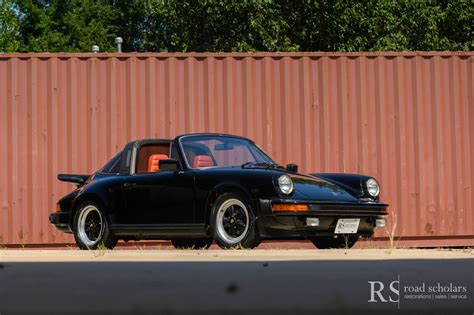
{"points": [[154, 162], [202, 161]]}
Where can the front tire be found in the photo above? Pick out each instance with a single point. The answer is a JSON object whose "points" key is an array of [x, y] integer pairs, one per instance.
{"points": [[233, 223], [91, 227], [342, 241], [192, 243]]}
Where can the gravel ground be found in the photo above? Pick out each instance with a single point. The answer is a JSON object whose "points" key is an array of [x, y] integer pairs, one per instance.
{"points": [[10, 255]]}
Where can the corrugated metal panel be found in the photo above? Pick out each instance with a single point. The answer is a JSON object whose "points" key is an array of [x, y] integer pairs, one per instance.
{"points": [[405, 118]]}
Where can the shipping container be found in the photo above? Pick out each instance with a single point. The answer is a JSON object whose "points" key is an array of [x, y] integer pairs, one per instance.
{"points": [[405, 118]]}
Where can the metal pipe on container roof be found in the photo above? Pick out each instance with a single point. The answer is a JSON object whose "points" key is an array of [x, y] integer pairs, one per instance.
{"points": [[118, 42]]}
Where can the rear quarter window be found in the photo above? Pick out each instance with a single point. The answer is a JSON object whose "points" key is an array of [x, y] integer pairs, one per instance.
{"points": [[112, 166]]}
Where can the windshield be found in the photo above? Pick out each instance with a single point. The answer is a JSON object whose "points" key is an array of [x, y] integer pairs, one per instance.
{"points": [[209, 151]]}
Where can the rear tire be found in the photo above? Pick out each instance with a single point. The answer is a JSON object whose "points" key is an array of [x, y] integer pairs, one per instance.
{"points": [[192, 243], [233, 223], [91, 227], [326, 242]]}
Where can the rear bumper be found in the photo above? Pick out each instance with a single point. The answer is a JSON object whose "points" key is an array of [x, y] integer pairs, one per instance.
{"points": [[61, 221], [287, 224]]}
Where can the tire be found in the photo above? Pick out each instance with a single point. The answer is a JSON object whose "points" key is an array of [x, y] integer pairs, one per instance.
{"points": [[91, 227], [192, 243], [342, 241], [233, 223]]}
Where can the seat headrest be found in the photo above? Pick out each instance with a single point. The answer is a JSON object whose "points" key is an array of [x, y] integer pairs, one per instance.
{"points": [[202, 161], [154, 162]]}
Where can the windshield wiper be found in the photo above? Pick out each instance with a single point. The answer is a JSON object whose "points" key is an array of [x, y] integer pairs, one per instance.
{"points": [[259, 164]]}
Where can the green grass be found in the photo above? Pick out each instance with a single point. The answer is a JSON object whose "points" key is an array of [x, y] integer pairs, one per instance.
{"points": [[100, 250]]}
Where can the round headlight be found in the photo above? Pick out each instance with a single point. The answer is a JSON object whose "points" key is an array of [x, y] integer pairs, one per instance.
{"points": [[286, 184], [373, 187]]}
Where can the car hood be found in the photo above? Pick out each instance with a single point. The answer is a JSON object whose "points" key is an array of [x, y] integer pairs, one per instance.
{"points": [[314, 188], [264, 181]]}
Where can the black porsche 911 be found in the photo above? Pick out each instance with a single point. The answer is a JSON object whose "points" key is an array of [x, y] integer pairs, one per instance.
{"points": [[200, 188]]}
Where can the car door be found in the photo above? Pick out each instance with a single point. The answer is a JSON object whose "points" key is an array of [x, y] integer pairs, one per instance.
{"points": [[165, 197]]}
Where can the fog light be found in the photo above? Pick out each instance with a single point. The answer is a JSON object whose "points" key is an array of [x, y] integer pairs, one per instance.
{"points": [[380, 223], [312, 221]]}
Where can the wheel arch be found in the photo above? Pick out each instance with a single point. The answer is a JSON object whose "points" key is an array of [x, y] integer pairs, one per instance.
{"points": [[83, 198], [229, 187]]}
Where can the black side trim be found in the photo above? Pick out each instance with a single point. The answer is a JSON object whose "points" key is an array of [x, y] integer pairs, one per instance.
{"points": [[356, 213], [349, 207], [330, 209], [159, 230], [354, 210], [332, 213]]}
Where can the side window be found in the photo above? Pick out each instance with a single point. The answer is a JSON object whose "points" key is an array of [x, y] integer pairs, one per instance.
{"points": [[149, 156]]}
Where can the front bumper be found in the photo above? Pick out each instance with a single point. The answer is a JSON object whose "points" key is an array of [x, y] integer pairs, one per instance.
{"points": [[61, 221], [287, 224]]}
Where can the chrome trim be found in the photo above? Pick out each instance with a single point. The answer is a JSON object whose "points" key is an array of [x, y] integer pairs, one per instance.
{"points": [[133, 160]]}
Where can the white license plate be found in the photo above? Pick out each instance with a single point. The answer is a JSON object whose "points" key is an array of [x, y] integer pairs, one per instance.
{"points": [[347, 226]]}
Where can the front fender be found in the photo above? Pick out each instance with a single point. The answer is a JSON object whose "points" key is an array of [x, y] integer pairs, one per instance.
{"points": [[216, 191], [352, 183], [88, 196]]}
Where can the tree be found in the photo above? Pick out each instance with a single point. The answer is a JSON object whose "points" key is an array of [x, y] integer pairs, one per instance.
{"points": [[131, 22], [9, 27], [66, 25], [217, 26], [380, 25], [250, 25], [323, 25], [457, 26]]}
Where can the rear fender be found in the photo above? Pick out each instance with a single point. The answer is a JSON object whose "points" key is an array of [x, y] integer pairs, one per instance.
{"points": [[85, 196]]}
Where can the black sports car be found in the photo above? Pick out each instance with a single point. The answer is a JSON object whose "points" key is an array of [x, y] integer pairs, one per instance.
{"points": [[203, 187]]}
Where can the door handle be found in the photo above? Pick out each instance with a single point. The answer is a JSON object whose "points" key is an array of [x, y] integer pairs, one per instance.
{"points": [[129, 185]]}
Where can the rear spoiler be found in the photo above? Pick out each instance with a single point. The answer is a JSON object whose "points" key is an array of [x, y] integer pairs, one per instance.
{"points": [[73, 178]]}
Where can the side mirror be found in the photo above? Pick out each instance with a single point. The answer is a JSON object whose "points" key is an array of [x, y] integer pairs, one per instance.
{"points": [[168, 165], [292, 168]]}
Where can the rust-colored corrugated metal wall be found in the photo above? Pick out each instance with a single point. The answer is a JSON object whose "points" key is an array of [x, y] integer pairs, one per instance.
{"points": [[405, 118]]}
